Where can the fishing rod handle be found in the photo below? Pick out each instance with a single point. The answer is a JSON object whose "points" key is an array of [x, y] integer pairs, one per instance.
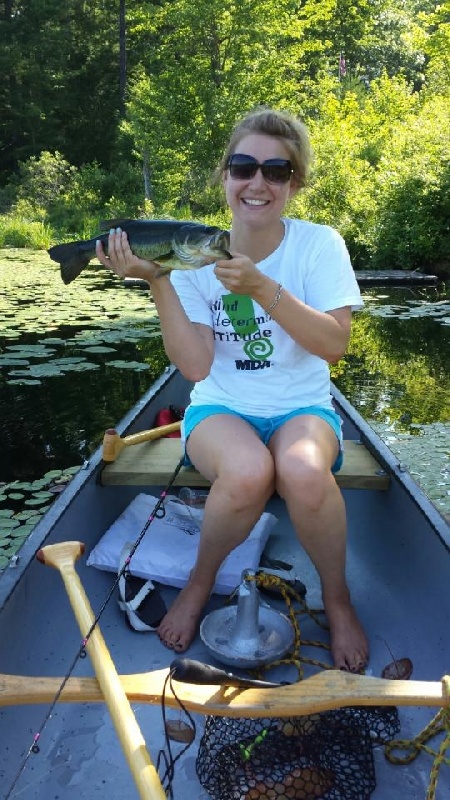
{"points": [[187, 670]]}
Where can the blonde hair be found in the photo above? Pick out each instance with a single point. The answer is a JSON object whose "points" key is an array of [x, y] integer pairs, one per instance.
{"points": [[281, 125]]}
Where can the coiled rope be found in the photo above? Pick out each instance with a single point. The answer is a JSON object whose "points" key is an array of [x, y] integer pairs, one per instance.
{"points": [[438, 725]]}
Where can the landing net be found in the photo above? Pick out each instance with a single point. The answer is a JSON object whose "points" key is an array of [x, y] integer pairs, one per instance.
{"points": [[327, 755]]}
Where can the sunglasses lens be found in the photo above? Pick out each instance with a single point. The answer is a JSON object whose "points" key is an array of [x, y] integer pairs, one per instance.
{"points": [[277, 172], [274, 170], [242, 168]]}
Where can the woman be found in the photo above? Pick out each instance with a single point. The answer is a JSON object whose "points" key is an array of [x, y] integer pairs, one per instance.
{"points": [[255, 334]]}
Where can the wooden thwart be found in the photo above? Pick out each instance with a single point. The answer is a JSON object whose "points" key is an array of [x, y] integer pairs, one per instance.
{"points": [[151, 463]]}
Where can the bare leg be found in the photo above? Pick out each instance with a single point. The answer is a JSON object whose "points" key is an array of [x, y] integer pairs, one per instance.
{"points": [[304, 450], [226, 450]]}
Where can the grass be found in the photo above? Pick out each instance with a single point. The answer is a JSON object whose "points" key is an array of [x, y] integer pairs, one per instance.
{"points": [[16, 231]]}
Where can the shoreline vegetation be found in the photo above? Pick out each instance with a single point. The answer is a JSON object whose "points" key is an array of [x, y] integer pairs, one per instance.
{"points": [[371, 82]]}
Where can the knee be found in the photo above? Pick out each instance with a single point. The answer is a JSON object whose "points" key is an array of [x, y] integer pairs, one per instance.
{"points": [[252, 485], [305, 483]]}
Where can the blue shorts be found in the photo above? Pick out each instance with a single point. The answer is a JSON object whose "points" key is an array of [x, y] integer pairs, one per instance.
{"points": [[264, 426]]}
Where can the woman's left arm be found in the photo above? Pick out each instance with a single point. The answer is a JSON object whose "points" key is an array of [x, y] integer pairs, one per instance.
{"points": [[325, 334]]}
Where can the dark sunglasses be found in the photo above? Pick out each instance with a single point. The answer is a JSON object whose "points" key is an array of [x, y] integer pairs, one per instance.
{"points": [[274, 170]]}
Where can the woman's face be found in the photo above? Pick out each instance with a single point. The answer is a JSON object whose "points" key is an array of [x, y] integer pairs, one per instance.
{"points": [[255, 201]]}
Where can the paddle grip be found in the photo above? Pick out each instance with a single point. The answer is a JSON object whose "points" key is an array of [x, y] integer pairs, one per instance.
{"points": [[189, 671]]}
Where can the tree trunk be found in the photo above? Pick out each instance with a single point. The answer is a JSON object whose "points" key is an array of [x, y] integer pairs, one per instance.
{"points": [[122, 56], [146, 172]]}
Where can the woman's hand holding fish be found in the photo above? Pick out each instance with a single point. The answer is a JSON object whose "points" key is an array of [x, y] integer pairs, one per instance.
{"points": [[122, 261], [239, 274]]}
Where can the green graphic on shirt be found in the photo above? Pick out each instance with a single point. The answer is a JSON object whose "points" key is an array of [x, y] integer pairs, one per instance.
{"points": [[243, 321], [259, 349], [243, 316]]}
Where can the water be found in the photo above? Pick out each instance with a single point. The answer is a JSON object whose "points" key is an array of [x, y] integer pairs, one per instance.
{"points": [[74, 359], [397, 374]]}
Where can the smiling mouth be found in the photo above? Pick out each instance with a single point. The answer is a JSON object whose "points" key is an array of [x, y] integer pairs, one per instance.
{"points": [[250, 202]]}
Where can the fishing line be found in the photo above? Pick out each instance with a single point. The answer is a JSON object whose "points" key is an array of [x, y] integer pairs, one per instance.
{"points": [[158, 512], [167, 755]]}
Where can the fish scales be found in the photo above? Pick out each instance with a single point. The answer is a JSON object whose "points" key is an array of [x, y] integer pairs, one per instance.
{"points": [[173, 244]]}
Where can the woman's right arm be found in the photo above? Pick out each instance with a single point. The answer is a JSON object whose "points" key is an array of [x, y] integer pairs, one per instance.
{"points": [[190, 346]]}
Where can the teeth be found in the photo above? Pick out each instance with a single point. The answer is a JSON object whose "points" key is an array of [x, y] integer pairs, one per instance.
{"points": [[255, 202]]}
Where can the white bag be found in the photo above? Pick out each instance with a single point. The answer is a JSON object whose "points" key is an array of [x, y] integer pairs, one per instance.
{"points": [[169, 548]]}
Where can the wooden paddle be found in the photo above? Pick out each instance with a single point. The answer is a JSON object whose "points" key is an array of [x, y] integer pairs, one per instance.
{"points": [[327, 690], [113, 443], [63, 557]]}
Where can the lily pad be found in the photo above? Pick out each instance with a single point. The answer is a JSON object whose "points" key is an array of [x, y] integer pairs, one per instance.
{"points": [[100, 349], [53, 473], [24, 531], [8, 522], [67, 360], [23, 516], [31, 350], [23, 382], [8, 361], [134, 365], [35, 501]]}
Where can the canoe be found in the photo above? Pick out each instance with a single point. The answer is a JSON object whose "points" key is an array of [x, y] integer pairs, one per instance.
{"points": [[106, 732]]}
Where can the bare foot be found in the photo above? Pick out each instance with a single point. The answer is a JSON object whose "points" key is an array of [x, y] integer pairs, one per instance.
{"points": [[349, 645], [179, 626]]}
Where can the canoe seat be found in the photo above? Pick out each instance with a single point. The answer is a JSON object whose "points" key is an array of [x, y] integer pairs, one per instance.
{"points": [[152, 464]]}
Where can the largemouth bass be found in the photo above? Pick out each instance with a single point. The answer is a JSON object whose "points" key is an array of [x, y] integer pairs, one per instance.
{"points": [[172, 244]]}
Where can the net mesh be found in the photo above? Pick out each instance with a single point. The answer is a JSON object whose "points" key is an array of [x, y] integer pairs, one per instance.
{"points": [[327, 755]]}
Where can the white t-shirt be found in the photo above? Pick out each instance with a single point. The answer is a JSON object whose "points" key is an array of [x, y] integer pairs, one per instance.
{"points": [[258, 369]]}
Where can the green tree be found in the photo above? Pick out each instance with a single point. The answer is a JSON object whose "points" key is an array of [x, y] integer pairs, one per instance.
{"points": [[210, 62], [60, 80]]}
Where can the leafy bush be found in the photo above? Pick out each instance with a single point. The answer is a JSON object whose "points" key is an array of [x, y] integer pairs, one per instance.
{"points": [[72, 201], [413, 194], [21, 232]]}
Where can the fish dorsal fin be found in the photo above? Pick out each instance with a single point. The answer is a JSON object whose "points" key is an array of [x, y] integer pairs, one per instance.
{"points": [[107, 224]]}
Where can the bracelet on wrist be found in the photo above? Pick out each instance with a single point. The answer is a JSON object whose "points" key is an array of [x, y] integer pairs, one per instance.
{"points": [[276, 299]]}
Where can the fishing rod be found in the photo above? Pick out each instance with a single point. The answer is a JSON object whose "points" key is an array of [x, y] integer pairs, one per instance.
{"points": [[92, 623]]}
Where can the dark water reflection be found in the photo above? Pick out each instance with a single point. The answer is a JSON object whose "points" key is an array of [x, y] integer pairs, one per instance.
{"points": [[397, 369], [397, 373], [60, 423]]}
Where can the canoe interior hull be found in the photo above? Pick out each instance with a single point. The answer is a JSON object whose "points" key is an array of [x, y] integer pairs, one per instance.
{"points": [[398, 570]]}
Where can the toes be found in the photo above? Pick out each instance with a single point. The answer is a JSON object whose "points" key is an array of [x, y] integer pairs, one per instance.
{"points": [[173, 642], [354, 665]]}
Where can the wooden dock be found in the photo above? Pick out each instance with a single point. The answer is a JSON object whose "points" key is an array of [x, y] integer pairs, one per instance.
{"points": [[394, 277]]}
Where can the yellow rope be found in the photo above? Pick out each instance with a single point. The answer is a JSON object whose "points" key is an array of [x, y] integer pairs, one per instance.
{"points": [[438, 725], [266, 580]]}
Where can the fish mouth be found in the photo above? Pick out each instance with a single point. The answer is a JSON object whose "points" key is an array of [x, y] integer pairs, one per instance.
{"points": [[206, 249], [219, 244]]}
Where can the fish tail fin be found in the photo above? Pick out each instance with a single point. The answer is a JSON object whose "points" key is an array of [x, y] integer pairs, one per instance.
{"points": [[71, 259]]}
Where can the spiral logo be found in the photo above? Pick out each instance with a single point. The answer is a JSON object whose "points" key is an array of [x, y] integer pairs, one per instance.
{"points": [[258, 349]]}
